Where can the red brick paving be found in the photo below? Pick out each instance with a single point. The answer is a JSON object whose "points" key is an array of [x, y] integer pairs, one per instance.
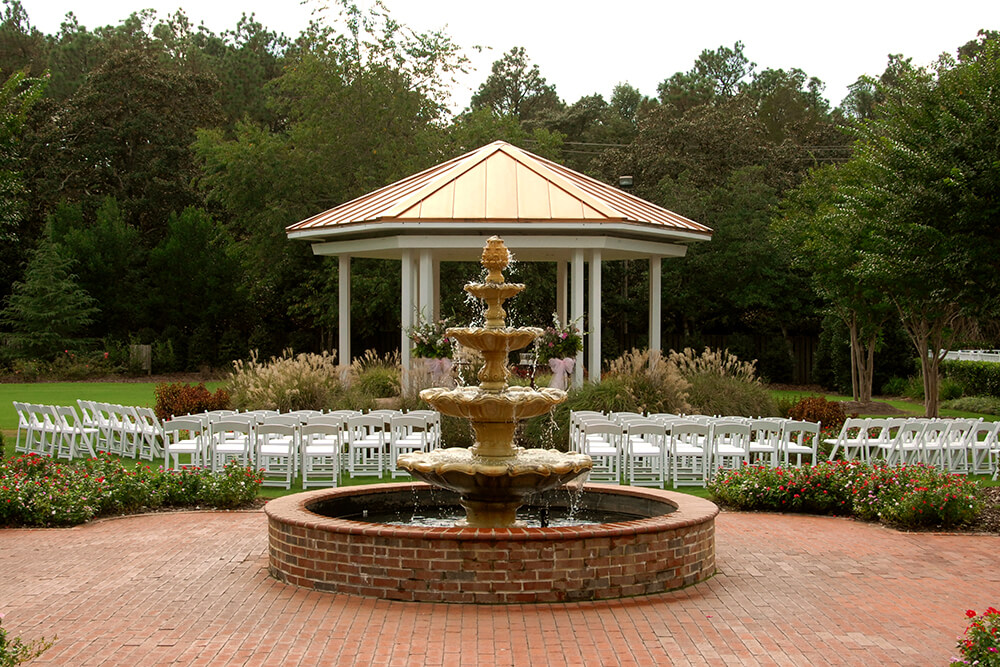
{"points": [[192, 589]]}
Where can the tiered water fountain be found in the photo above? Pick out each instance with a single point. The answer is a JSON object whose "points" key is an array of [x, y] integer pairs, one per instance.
{"points": [[493, 477], [643, 540]]}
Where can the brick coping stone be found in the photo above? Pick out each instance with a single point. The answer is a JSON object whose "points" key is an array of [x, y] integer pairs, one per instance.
{"points": [[490, 566]]}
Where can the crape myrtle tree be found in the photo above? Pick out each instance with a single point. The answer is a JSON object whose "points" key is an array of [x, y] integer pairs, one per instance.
{"points": [[932, 195], [830, 241]]}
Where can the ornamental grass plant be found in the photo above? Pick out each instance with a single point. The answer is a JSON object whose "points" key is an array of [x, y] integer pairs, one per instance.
{"points": [[285, 383], [377, 376], [907, 496]]}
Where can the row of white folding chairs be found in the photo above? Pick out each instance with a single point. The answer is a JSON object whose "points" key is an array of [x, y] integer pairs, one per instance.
{"points": [[53, 430], [656, 449], [954, 445], [318, 445], [125, 430]]}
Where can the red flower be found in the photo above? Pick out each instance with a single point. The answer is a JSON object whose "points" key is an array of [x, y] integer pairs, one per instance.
{"points": [[970, 613]]}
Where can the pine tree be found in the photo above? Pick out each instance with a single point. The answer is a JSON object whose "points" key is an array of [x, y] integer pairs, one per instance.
{"points": [[47, 312]]}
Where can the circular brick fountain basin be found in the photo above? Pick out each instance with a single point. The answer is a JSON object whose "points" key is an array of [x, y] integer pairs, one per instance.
{"points": [[672, 547]]}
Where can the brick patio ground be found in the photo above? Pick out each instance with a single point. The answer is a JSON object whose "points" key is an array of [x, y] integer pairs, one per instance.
{"points": [[192, 589]]}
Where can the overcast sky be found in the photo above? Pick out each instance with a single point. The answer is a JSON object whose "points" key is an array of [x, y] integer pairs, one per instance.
{"points": [[586, 47]]}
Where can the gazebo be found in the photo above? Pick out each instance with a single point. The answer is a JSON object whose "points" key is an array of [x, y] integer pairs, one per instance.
{"points": [[544, 211]]}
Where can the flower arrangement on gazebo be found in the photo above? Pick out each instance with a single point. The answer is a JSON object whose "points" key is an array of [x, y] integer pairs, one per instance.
{"points": [[558, 346], [431, 342]]}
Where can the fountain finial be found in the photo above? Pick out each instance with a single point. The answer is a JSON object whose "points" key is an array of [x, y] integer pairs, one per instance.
{"points": [[495, 259]]}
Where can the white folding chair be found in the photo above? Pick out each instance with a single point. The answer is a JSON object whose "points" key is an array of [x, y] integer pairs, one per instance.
{"points": [[149, 433], [800, 438], [690, 453], [42, 432], [957, 446], [765, 441], [321, 446], [907, 446], [276, 452], [602, 441], [730, 445], [983, 445], [366, 445], [231, 439], [407, 433], [933, 443], [852, 440], [22, 425], [881, 433], [73, 436], [645, 454], [433, 419], [185, 436]]}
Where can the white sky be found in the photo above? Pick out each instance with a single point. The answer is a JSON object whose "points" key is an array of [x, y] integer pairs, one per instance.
{"points": [[586, 47]]}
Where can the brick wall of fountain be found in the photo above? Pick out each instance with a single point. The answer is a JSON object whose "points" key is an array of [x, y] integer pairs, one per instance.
{"points": [[514, 565]]}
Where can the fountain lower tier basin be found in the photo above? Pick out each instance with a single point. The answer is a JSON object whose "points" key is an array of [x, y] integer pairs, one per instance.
{"points": [[671, 545]]}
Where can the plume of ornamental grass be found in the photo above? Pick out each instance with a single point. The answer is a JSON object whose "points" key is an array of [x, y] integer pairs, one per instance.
{"points": [[290, 382], [716, 362]]}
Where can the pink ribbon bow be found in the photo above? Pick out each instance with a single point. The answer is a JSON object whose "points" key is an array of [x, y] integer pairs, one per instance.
{"points": [[561, 368]]}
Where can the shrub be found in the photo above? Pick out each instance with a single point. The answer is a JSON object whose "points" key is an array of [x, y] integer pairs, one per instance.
{"points": [[949, 389], [830, 414], [713, 394], [914, 496], [176, 398], [300, 382], [377, 376], [14, 651], [37, 491], [986, 405], [979, 378], [980, 645], [895, 387]]}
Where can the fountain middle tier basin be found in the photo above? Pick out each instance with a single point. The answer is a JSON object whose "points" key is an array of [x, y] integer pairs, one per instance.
{"points": [[479, 405], [669, 544]]}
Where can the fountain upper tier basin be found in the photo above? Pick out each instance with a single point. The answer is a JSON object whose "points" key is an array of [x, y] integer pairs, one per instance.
{"points": [[507, 339]]}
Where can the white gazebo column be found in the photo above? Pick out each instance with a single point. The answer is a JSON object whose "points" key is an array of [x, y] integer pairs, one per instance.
{"points": [[561, 291], [344, 310], [425, 289], [594, 310], [406, 311], [436, 289], [655, 305], [576, 311]]}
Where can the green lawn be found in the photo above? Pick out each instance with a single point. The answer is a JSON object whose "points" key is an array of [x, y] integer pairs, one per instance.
{"points": [[911, 408]]}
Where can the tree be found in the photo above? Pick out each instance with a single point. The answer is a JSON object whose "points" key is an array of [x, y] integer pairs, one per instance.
{"points": [[830, 240], [47, 312], [126, 133], [516, 88], [929, 155], [717, 76], [17, 95], [110, 260]]}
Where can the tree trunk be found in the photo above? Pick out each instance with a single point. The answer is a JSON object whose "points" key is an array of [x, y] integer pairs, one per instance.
{"points": [[852, 327], [867, 378]]}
